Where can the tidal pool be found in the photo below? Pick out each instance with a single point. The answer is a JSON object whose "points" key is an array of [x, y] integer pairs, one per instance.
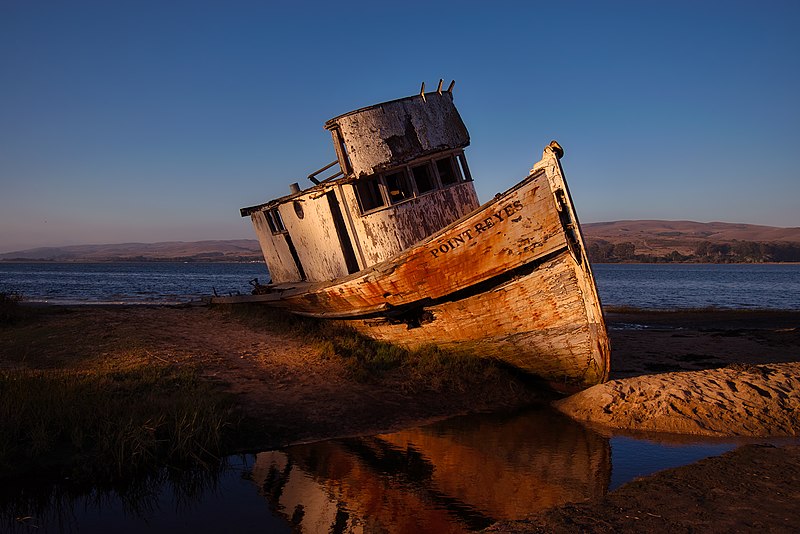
{"points": [[453, 476]]}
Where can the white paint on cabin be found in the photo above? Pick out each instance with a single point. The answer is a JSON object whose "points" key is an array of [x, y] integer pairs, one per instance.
{"points": [[275, 250], [314, 237], [376, 236]]}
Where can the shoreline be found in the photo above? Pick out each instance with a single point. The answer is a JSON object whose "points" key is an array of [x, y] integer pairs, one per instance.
{"points": [[718, 494]]}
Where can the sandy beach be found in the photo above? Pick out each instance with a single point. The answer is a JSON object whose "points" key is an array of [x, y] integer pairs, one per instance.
{"points": [[292, 391]]}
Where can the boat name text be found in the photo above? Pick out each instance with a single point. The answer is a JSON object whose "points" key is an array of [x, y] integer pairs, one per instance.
{"points": [[471, 233]]}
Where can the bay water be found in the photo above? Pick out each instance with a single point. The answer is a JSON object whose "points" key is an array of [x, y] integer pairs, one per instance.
{"points": [[127, 283], [687, 285], [650, 286]]}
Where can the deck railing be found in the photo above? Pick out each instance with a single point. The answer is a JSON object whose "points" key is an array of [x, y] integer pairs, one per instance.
{"points": [[313, 175]]}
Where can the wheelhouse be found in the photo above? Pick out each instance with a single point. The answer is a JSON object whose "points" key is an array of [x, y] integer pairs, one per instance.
{"points": [[400, 176]]}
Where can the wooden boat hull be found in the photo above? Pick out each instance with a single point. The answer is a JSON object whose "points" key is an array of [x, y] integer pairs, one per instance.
{"points": [[509, 281], [536, 322]]}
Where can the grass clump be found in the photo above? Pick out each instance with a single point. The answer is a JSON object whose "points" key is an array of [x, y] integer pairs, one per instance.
{"points": [[440, 369], [108, 424], [280, 321], [365, 359]]}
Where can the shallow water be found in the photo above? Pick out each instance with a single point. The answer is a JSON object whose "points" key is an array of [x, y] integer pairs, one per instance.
{"points": [[453, 476]]}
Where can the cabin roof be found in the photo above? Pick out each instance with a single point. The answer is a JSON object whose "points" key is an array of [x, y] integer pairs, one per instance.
{"points": [[245, 212], [331, 123], [375, 153]]}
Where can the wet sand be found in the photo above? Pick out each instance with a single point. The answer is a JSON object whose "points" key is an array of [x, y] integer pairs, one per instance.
{"points": [[648, 342], [739, 400], [292, 392]]}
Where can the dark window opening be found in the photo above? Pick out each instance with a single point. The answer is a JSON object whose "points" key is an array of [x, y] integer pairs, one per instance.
{"points": [[398, 187], [295, 257], [298, 209], [276, 217], [270, 222], [341, 232], [447, 174], [423, 178], [369, 194]]}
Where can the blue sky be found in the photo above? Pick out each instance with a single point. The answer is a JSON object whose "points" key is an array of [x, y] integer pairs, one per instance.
{"points": [[156, 120]]}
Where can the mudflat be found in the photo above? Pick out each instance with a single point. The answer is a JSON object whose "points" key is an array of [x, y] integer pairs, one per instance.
{"points": [[755, 488]]}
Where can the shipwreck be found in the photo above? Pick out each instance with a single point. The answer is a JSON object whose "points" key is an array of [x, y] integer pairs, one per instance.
{"points": [[395, 243]]}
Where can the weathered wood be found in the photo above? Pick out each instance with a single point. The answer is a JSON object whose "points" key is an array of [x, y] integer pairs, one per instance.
{"points": [[513, 230], [395, 137]]}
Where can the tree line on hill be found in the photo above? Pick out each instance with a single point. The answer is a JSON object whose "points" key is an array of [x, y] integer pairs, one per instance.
{"points": [[601, 251]]}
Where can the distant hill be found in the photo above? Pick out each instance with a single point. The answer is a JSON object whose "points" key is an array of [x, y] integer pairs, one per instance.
{"points": [[220, 250], [690, 241], [615, 241]]}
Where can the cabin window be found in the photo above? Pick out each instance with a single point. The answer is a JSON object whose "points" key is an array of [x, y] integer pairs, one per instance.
{"points": [[369, 194], [275, 221], [464, 169], [398, 187], [447, 174], [405, 183], [298, 209], [270, 222], [423, 178]]}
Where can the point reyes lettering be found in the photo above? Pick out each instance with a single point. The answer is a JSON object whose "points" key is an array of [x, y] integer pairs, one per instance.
{"points": [[500, 216]]}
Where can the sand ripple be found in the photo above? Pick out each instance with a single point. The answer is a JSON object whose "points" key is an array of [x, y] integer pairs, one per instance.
{"points": [[740, 400]]}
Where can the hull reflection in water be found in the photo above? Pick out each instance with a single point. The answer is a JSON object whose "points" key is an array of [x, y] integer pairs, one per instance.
{"points": [[453, 476]]}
